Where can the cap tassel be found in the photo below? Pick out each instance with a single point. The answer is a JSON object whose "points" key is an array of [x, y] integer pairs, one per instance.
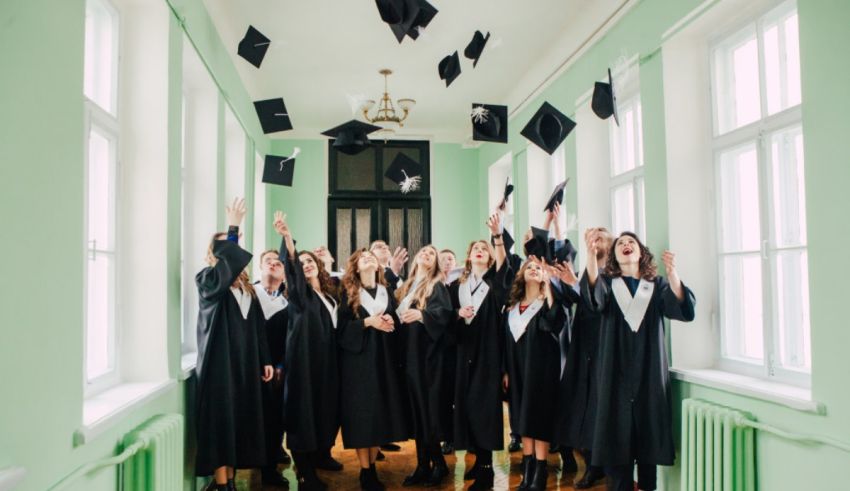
{"points": [[480, 114], [409, 183], [295, 153]]}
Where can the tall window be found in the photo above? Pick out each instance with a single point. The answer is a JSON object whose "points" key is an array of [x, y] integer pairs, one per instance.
{"points": [[100, 89], [627, 200], [758, 142]]}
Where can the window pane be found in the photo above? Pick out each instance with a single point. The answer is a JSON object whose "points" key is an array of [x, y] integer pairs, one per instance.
{"points": [[622, 209], [396, 228], [788, 187], [364, 229], [782, 62], [739, 200], [343, 233], [736, 81], [741, 308], [792, 307], [99, 316], [415, 227], [356, 172], [101, 183], [641, 210], [626, 145], [100, 57]]}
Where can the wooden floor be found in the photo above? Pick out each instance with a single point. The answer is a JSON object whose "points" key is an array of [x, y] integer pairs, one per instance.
{"points": [[399, 464]]}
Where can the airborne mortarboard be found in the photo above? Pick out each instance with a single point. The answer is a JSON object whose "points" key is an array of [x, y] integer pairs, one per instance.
{"points": [[253, 46], [476, 47], [351, 137], [566, 253], [548, 128], [273, 115], [279, 170], [391, 11], [405, 172], [509, 188], [604, 101], [406, 17], [423, 18], [557, 196], [449, 68], [538, 245], [489, 123]]}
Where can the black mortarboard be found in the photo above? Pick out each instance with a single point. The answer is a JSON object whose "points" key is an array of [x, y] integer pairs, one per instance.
{"points": [[548, 128], [405, 17], [253, 46], [279, 170], [507, 239], [351, 138], [392, 11], [476, 47], [604, 102], [509, 188], [273, 115], [449, 68], [538, 245], [489, 123], [565, 253], [557, 196], [405, 172], [423, 18]]}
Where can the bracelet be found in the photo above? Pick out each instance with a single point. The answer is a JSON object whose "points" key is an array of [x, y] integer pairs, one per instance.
{"points": [[498, 243], [497, 236]]}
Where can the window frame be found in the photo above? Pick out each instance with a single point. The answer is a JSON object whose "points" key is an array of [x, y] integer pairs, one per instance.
{"points": [[633, 177]]}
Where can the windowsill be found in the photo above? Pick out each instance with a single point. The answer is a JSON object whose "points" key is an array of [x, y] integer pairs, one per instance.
{"points": [[787, 395], [187, 365], [102, 411], [10, 477]]}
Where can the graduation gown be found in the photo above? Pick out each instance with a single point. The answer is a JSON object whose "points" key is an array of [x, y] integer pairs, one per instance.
{"points": [[423, 348], [533, 360], [277, 319], [634, 412], [373, 404], [478, 412], [311, 371], [232, 351]]}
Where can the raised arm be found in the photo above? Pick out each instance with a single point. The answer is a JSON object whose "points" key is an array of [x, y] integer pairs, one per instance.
{"points": [[230, 258], [494, 223], [282, 229], [296, 283], [592, 271]]}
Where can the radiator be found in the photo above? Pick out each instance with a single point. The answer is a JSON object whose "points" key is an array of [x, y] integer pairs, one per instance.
{"points": [[158, 463], [718, 450]]}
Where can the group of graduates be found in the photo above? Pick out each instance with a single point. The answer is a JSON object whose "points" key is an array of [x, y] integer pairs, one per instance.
{"points": [[433, 357]]}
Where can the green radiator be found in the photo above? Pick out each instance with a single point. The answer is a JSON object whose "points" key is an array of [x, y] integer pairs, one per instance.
{"points": [[718, 450], [157, 465]]}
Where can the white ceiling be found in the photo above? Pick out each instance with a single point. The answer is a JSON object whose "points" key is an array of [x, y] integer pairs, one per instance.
{"points": [[323, 50]]}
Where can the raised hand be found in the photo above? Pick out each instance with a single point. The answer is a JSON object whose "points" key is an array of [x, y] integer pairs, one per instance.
{"points": [[494, 223], [280, 224], [590, 238], [564, 272], [398, 259], [236, 212], [672, 275]]}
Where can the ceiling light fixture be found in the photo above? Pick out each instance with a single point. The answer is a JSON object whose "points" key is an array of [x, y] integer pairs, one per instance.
{"points": [[386, 112]]}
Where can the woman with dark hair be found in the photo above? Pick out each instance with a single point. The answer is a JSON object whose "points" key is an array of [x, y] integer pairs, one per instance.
{"points": [[425, 311], [479, 296], [634, 414], [373, 404], [311, 374], [233, 359]]}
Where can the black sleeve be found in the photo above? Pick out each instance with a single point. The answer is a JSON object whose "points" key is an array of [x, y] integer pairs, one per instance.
{"points": [[438, 312], [296, 283], [350, 335], [671, 306], [216, 280], [596, 298]]}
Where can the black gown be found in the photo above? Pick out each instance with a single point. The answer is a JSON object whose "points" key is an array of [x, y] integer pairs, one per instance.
{"points": [[373, 401], [478, 399], [534, 369], [634, 410], [423, 348], [232, 352], [276, 326], [311, 371]]}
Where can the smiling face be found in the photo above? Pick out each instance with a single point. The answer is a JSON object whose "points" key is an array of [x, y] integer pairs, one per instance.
{"points": [[367, 263], [447, 261], [479, 254], [381, 251], [271, 267], [533, 272], [311, 269], [426, 258], [627, 250]]}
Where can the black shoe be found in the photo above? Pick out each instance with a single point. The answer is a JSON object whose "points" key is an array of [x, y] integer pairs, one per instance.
{"points": [[515, 445], [379, 486], [483, 478], [447, 448], [527, 471], [271, 477], [568, 461], [419, 476], [590, 477], [328, 463], [380, 456], [472, 472], [284, 458], [438, 474], [541, 473], [391, 447], [369, 480], [311, 484]]}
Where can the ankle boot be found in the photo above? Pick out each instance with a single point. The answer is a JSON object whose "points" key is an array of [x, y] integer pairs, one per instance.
{"points": [[527, 471], [591, 475], [483, 478], [470, 474], [379, 486], [541, 473], [419, 476], [438, 474], [568, 461]]}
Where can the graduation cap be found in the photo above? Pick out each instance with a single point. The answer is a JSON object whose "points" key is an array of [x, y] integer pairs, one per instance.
{"points": [[405, 172], [489, 123], [476, 47], [253, 46], [391, 11], [280, 170], [539, 245], [506, 238], [604, 101], [509, 188], [557, 196], [566, 253], [449, 68], [406, 17], [548, 128], [423, 18], [350, 138], [273, 115]]}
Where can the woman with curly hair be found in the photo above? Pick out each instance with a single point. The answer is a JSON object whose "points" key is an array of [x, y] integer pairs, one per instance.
{"points": [[372, 402], [311, 372], [634, 414]]}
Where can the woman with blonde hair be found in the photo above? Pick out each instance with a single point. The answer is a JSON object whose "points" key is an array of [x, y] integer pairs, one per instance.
{"points": [[425, 311]]}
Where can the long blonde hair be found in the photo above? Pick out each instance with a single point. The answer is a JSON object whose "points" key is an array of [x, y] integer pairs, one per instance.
{"points": [[426, 288], [351, 280], [467, 267], [243, 282]]}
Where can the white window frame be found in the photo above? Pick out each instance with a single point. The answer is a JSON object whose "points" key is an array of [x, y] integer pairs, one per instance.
{"points": [[498, 171], [759, 133], [97, 118], [632, 177]]}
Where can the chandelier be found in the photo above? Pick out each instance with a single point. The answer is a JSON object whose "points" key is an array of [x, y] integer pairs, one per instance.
{"points": [[386, 112]]}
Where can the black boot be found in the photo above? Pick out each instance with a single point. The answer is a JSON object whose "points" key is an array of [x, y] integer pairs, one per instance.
{"points": [[527, 471], [483, 478], [541, 473], [271, 477], [307, 478], [379, 485], [515, 445], [213, 486], [231, 485], [472, 472], [323, 460], [568, 461], [590, 477], [369, 480], [419, 476]]}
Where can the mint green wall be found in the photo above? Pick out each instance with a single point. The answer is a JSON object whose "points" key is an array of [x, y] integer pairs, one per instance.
{"points": [[454, 198], [825, 74]]}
